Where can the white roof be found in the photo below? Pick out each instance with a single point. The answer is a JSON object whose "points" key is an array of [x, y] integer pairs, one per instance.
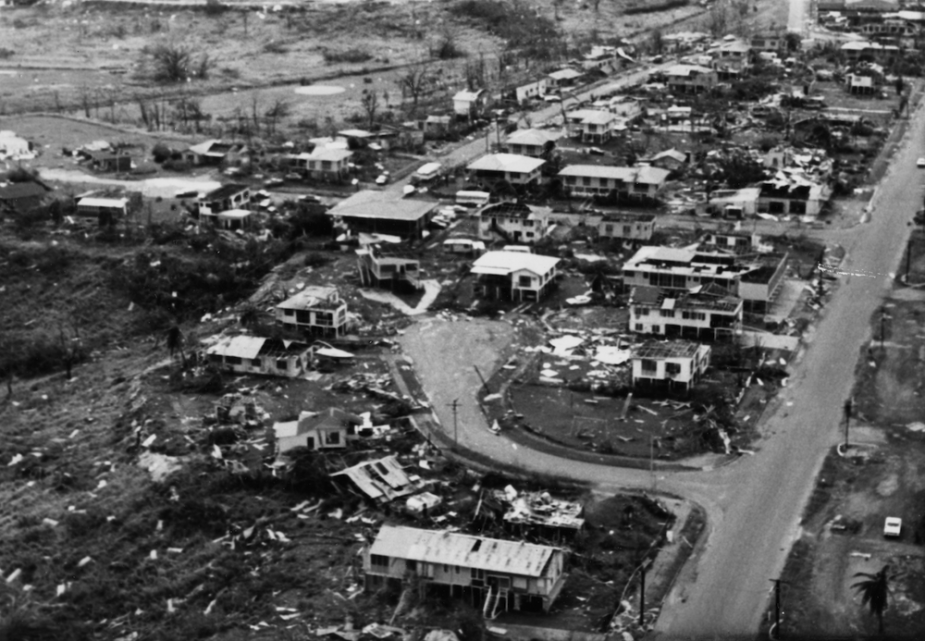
{"points": [[533, 137], [564, 74], [685, 70], [464, 550], [511, 163], [645, 175], [467, 95], [332, 154], [503, 263], [240, 346], [310, 297], [381, 205], [235, 214], [103, 202]]}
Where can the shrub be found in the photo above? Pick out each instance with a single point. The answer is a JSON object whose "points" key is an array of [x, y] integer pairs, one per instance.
{"points": [[160, 152], [354, 55], [214, 8], [275, 46], [649, 7]]}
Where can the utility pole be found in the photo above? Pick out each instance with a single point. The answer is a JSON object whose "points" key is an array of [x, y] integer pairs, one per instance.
{"points": [[882, 320], [848, 407], [642, 593], [776, 583], [455, 407]]}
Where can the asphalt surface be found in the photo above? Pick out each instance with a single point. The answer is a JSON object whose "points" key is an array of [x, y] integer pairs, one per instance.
{"points": [[755, 503]]}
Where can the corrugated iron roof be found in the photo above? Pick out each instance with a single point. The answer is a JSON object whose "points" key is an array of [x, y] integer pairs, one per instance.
{"points": [[239, 346], [464, 550]]}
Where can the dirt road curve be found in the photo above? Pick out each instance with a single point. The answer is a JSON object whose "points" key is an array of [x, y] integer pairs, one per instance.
{"points": [[754, 505]]}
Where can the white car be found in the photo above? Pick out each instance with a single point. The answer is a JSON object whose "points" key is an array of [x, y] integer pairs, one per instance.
{"points": [[892, 526], [920, 162]]}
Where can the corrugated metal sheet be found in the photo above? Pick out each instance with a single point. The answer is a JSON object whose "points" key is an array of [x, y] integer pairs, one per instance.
{"points": [[381, 479], [239, 346], [464, 550]]}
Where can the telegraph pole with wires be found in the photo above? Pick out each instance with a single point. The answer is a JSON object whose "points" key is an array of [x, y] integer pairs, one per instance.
{"points": [[455, 407], [776, 629]]}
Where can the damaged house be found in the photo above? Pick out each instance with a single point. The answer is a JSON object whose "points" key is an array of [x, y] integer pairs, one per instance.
{"points": [[635, 227], [708, 313], [330, 429], [792, 195], [256, 355], [532, 142], [315, 310], [491, 574], [675, 268], [225, 198], [669, 365], [514, 221], [381, 480], [514, 276], [391, 268]]}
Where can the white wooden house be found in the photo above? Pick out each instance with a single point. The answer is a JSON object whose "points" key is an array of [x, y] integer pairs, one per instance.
{"points": [[669, 364], [316, 310], [514, 275], [492, 574]]}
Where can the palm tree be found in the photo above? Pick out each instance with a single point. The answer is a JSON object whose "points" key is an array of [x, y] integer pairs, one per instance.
{"points": [[874, 590]]}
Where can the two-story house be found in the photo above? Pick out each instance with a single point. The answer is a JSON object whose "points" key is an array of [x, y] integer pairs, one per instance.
{"points": [[380, 268], [710, 313], [514, 221], [682, 79], [635, 227], [532, 142], [468, 104], [314, 310], [535, 89], [226, 197], [323, 163], [491, 574], [669, 365], [600, 180], [515, 276], [512, 168]]}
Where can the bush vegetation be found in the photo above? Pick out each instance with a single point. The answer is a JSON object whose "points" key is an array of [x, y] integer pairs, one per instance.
{"points": [[353, 55], [535, 36], [646, 6]]}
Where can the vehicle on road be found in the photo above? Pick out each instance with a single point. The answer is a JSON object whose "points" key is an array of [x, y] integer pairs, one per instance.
{"points": [[920, 162], [892, 527], [427, 172]]}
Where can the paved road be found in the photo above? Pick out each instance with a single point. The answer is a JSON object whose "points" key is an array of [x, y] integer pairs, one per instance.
{"points": [[753, 505], [478, 147], [796, 20]]}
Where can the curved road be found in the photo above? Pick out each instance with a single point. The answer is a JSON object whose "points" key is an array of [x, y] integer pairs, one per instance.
{"points": [[754, 505]]}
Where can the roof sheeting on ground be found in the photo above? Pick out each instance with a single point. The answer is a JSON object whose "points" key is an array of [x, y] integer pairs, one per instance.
{"points": [[382, 479]]}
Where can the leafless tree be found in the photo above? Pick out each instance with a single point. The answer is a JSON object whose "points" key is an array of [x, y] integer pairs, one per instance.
{"points": [[415, 83], [280, 109], [370, 103]]}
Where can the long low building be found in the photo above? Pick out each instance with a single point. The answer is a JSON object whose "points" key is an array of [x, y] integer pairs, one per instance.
{"points": [[256, 355], [601, 180], [492, 574]]}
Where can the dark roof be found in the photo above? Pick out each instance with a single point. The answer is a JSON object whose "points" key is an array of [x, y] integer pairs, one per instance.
{"points": [[15, 191], [225, 191]]}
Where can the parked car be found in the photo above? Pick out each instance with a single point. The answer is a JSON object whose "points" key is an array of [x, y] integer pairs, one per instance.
{"points": [[892, 527], [920, 163]]}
